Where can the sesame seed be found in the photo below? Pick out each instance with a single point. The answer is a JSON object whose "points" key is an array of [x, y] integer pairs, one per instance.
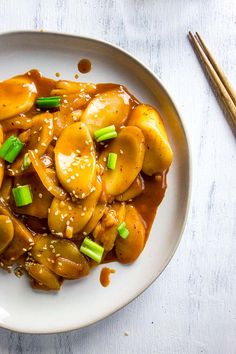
{"points": [[82, 214], [40, 195], [69, 231]]}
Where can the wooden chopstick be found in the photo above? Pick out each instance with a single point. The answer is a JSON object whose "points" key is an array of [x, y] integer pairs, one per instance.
{"points": [[217, 68], [218, 79]]}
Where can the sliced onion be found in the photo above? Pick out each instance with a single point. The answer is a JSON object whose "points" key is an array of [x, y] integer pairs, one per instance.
{"points": [[47, 181]]}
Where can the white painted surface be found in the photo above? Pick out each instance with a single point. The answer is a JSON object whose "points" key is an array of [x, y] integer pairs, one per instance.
{"points": [[191, 308]]}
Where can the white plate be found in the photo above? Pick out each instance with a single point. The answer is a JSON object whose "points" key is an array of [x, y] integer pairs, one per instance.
{"points": [[84, 302]]}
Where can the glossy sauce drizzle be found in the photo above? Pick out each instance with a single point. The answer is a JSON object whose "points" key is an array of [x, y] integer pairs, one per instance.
{"points": [[84, 66], [105, 276]]}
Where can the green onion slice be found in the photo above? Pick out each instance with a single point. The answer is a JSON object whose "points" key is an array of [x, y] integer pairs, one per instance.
{"points": [[22, 195], [107, 136], [123, 231], [108, 129], [26, 162], [48, 102], [111, 161], [92, 250], [11, 149]]}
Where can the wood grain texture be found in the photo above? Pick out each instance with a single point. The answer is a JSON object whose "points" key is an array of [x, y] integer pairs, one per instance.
{"points": [[191, 308]]}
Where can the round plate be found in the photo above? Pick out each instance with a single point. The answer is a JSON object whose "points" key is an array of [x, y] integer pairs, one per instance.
{"points": [[83, 302]]}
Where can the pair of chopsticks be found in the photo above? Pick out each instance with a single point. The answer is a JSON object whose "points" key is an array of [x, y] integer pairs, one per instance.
{"points": [[224, 90]]}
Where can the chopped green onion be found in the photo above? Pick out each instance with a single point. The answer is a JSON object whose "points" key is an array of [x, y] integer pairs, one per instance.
{"points": [[121, 227], [107, 136], [108, 129], [22, 195], [48, 102], [123, 231], [92, 250], [11, 148], [111, 161], [26, 162]]}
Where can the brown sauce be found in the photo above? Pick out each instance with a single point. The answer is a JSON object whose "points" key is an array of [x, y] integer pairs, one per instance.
{"points": [[84, 66], [105, 276], [146, 203]]}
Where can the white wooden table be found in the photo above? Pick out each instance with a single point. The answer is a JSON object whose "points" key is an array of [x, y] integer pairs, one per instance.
{"points": [[191, 308]]}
